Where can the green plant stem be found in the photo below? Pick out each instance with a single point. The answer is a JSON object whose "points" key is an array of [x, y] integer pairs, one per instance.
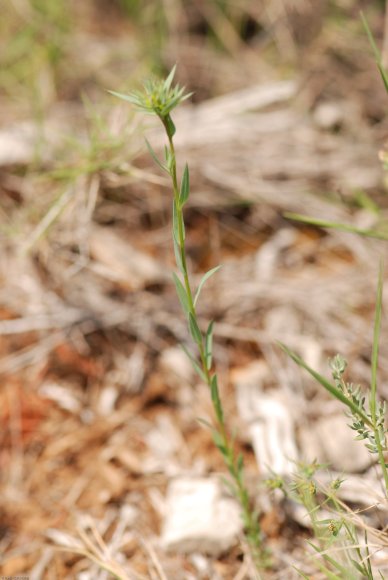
{"points": [[377, 433], [382, 462], [250, 520], [182, 249]]}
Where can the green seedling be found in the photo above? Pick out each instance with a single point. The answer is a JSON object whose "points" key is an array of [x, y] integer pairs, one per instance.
{"points": [[160, 98], [368, 418]]}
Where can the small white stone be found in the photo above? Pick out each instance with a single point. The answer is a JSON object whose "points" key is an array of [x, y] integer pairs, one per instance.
{"points": [[328, 115], [199, 518], [107, 400], [331, 440], [175, 362], [269, 421]]}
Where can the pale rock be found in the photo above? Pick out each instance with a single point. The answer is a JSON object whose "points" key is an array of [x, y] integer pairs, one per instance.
{"points": [[107, 400], [199, 518], [331, 440], [176, 363], [18, 144], [62, 395], [269, 419], [329, 115]]}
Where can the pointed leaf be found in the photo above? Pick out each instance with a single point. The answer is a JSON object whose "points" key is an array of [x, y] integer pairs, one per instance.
{"points": [[176, 216], [240, 464], [209, 345], [169, 79], [181, 291], [131, 98], [229, 485], [175, 226], [194, 329], [205, 423], [169, 125], [375, 349], [336, 226], [332, 389], [196, 366], [154, 156], [204, 278], [219, 443], [185, 187], [178, 257], [216, 399], [379, 62], [301, 574], [359, 568]]}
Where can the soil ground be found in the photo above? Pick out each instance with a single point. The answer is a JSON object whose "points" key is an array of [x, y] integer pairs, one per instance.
{"points": [[99, 407]]}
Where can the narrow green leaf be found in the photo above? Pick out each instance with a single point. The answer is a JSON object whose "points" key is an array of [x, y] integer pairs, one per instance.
{"points": [[169, 125], [194, 329], [379, 62], [131, 98], [331, 575], [181, 291], [232, 488], [178, 257], [375, 349], [205, 423], [169, 79], [240, 464], [204, 278], [185, 187], [336, 225], [154, 156], [219, 442], [302, 574], [209, 345], [196, 366], [359, 568], [176, 216], [215, 395], [332, 389], [175, 226], [170, 160]]}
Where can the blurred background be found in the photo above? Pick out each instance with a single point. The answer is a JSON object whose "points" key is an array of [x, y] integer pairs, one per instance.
{"points": [[98, 405]]}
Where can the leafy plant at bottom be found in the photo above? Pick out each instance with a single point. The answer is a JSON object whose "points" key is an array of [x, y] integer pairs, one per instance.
{"points": [[368, 420]]}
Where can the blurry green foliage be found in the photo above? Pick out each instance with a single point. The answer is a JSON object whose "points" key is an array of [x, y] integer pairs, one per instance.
{"points": [[32, 37]]}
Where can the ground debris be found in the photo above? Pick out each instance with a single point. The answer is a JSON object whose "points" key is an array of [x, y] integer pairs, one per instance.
{"points": [[199, 519]]}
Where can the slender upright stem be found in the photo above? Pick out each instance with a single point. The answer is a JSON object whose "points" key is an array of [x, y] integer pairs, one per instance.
{"points": [[250, 520]]}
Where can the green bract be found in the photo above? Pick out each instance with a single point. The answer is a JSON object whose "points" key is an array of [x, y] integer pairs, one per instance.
{"points": [[157, 97]]}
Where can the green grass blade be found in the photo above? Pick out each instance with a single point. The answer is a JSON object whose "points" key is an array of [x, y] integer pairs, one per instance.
{"points": [[302, 574], [336, 226], [376, 337], [379, 62], [330, 574], [332, 389]]}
